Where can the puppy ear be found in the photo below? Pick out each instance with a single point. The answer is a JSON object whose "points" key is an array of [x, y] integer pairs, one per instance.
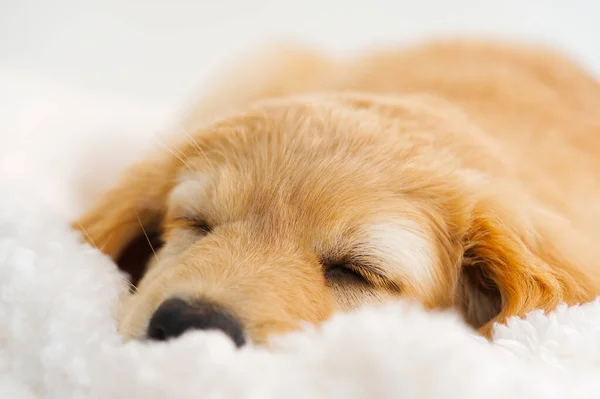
{"points": [[514, 263], [125, 223]]}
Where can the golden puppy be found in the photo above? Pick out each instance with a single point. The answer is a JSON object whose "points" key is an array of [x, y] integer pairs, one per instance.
{"points": [[458, 174]]}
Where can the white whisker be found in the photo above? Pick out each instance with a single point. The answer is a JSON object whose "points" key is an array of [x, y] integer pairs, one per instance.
{"points": [[147, 238]]}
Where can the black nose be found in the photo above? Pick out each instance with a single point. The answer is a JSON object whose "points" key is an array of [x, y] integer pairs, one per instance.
{"points": [[176, 316]]}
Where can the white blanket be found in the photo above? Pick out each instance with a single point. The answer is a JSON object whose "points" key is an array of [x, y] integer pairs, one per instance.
{"points": [[58, 340]]}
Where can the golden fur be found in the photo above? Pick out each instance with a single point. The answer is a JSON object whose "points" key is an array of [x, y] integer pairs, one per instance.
{"points": [[460, 174]]}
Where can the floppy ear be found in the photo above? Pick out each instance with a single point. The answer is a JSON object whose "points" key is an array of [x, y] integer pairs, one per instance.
{"points": [[513, 264], [128, 216]]}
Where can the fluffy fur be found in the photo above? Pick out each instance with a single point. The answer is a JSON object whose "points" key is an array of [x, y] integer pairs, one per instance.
{"points": [[460, 175]]}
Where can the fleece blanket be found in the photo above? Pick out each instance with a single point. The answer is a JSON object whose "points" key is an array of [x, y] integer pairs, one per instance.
{"points": [[58, 339]]}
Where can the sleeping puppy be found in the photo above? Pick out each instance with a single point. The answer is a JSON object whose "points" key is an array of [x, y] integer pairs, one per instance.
{"points": [[457, 174]]}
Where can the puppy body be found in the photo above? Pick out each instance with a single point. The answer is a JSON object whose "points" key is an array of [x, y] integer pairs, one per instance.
{"points": [[458, 174]]}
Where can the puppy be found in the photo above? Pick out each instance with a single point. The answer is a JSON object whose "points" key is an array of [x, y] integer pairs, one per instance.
{"points": [[458, 174]]}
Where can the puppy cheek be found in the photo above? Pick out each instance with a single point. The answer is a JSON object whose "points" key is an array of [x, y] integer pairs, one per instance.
{"points": [[132, 317]]}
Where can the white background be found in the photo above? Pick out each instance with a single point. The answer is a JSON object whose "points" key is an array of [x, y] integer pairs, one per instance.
{"points": [[83, 84]]}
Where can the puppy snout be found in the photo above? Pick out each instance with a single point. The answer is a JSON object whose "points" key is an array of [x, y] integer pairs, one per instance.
{"points": [[176, 316]]}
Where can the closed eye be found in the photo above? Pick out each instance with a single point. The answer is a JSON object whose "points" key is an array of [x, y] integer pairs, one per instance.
{"points": [[358, 273], [197, 224], [344, 273]]}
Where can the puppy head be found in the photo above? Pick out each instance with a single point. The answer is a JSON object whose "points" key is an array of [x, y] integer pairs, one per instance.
{"points": [[299, 208]]}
